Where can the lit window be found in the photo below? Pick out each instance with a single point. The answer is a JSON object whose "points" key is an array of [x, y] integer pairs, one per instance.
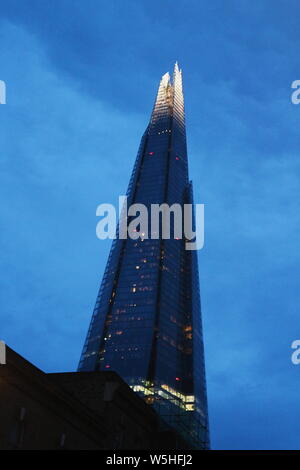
{"points": [[188, 328], [189, 407]]}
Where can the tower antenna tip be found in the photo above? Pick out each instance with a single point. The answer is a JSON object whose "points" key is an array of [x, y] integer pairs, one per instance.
{"points": [[176, 67]]}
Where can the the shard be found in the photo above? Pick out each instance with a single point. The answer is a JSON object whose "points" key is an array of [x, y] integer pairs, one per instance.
{"points": [[146, 323]]}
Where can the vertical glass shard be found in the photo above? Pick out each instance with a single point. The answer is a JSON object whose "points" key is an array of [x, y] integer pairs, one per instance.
{"points": [[146, 323]]}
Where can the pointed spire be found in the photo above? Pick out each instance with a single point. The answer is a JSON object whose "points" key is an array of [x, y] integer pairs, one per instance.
{"points": [[178, 100], [165, 104], [176, 68], [177, 74], [165, 80], [161, 96]]}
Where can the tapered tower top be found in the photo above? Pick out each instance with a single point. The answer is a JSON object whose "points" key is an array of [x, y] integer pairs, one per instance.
{"points": [[169, 100]]}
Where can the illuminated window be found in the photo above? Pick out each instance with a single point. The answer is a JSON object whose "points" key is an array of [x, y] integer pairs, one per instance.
{"points": [[189, 407], [188, 328], [149, 400]]}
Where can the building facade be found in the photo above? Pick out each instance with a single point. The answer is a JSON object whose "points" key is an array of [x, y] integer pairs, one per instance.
{"points": [[146, 323], [74, 411]]}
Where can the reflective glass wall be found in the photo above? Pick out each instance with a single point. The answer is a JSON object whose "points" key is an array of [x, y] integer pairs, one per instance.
{"points": [[146, 324]]}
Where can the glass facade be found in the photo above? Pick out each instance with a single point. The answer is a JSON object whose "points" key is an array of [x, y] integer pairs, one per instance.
{"points": [[146, 323]]}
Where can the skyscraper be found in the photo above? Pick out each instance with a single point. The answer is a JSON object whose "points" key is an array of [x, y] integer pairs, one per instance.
{"points": [[146, 323]]}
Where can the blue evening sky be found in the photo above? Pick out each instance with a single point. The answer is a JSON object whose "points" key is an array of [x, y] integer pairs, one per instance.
{"points": [[81, 79]]}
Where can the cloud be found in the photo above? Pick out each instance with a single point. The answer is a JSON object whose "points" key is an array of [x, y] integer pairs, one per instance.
{"points": [[60, 147]]}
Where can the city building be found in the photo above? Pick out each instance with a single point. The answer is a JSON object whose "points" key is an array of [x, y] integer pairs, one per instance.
{"points": [[74, 411], [146, 325]]}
